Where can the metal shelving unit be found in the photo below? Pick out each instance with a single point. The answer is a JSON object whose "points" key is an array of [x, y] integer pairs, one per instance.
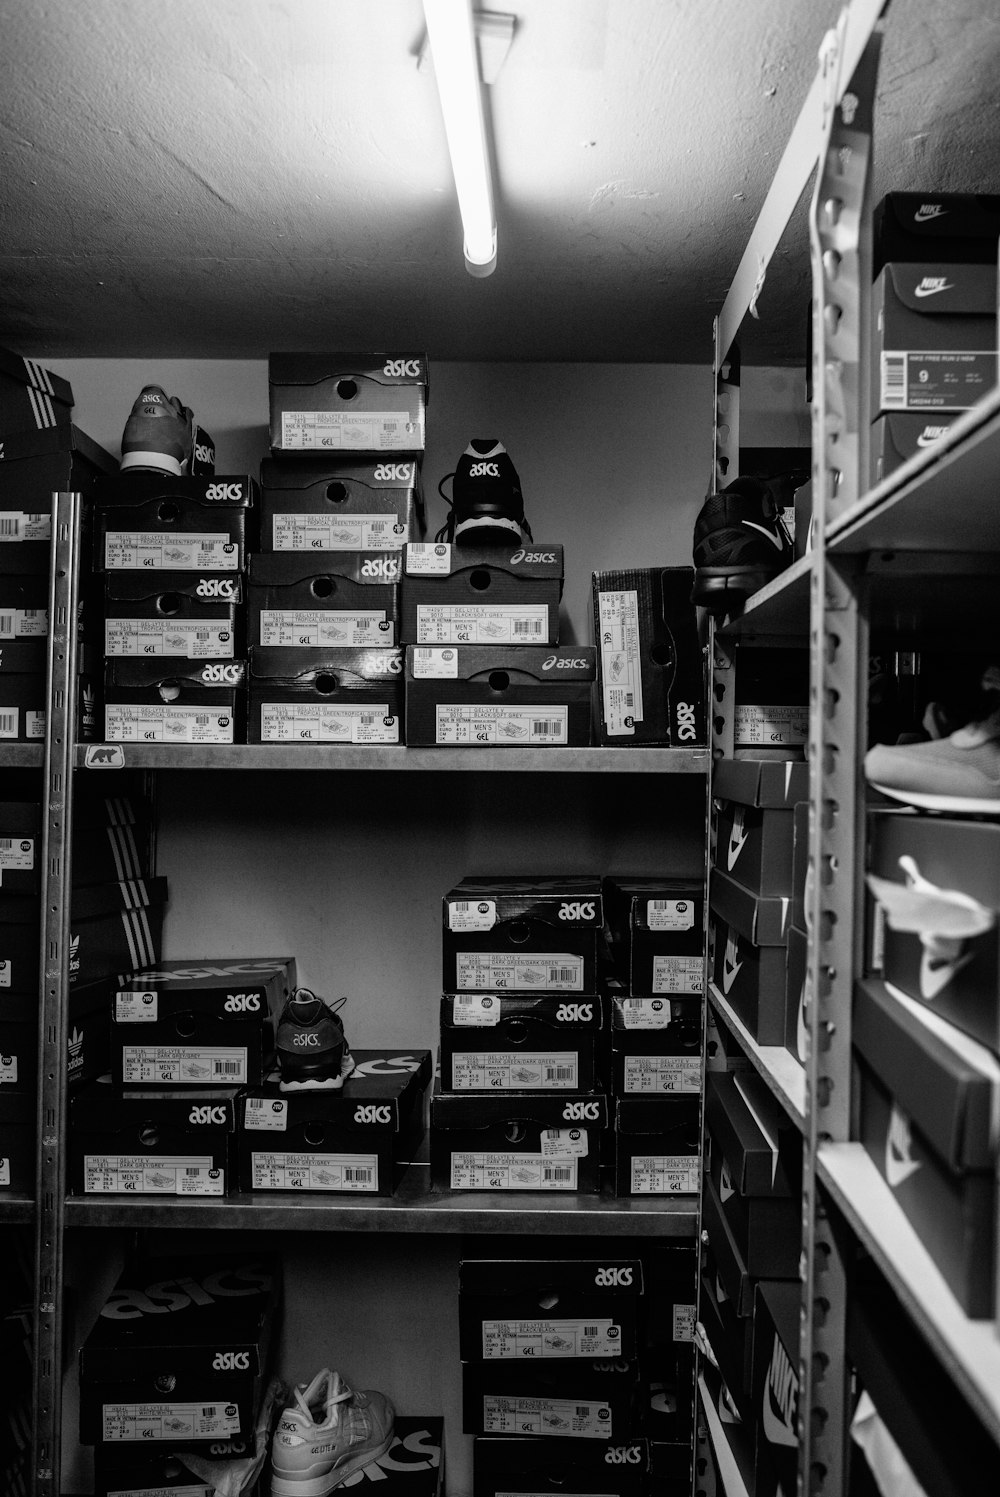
{"points": [[777, 1067], [398, 760]]}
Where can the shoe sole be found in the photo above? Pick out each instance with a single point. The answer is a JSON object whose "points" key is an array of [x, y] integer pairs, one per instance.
{"points": [[972, 805], [152, 462], [321, 1486], [317, 1084]]}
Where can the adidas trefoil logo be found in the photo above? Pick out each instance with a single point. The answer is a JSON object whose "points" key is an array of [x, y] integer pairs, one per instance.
{"points": [[899, 1162], [74, 953], [75, 1047]]}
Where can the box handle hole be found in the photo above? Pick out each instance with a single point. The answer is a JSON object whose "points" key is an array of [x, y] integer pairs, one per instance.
{"points": [[327, 683], [323, 587], [336, 492], [480, 579], [347, 389]]}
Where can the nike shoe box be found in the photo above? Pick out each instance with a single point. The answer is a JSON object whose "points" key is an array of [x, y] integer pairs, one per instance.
{"points": [[748, 935], [188, 1378], [151, 1142], [771, 702], [172, 699], [569, 1310], [355, 1141], [656, 1146], [332, 695], [519, 1042], [331, 502], [522, 934], [520, 1141], [151, 521], [114, 927], [488, 696], [17, 1145], [349, 600], [111, 842], [347, 402], [87, 1039], [189, 614], [656, 931], [796, 1013], [753, 1154], [595, 1401], [800, 862], [755, 803], [529, 1466], [898, 437], [933, 336], [928, 1098], [497, 595], [652, 684], [36, 465], [32, 398], [730, 1338], [948, 227], [24, 692], [655, 1048], [735, 1284], [774, 1392]]}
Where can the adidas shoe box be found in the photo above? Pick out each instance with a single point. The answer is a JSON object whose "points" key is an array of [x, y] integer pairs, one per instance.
{"points": [[519, 1041], [565, 1309], [151, 1142], [188, 614], [755, 803], [32, 398], [651, 667], [481, 596], [753, 1154], [487, 696], [87, 1039], [24, 692], [774, 1394], [594, 1401], [929, 1097], [172, 699], [331, 502], [189, 1378], [656, 928], [24, 607], [796, 1010], [656, 1149], [347, 402], [933, 336], [332, 695], [748, 935], [522, 935], [655, 1048], [950, 227], [17, 1144], [349, 600], [114, 927], [355, 1141], [110, 842], [35, 465], [897, 437], [529, 1466], [151, 521], [520, 1141]]}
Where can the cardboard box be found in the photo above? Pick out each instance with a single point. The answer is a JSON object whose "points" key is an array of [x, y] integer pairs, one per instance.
{"points": [[17, 1146], [519, 1041], [508, 696], [748, 934], [731, 1340], [87, 1039], [754, 1157], [358, 1140], [151, 521], [651, 668], [151, 1142], [175, 700], [519, 1141], [332, 695], [598, 1401], [656, 928], [331, 502], [755, 801], [347, 402], [771, 702], [24, 692], [24, 607], [897, 437], [656, 1146], [661, 1061], [522, 934], [32, 398], [934, 336], [347, 600], [188, 614], [567, 1309], [946, 227], [513, 1466], [482, 596], [800, 862], [217, 986], [146, 1474], [34, 466], [114, 927], [775, 1387], [796, 1008], [110, 842]]}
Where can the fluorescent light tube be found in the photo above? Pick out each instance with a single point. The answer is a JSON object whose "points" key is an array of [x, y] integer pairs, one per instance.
{"points": [[451, 32]]}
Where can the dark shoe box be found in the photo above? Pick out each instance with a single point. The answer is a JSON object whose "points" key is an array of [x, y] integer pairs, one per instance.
{"points": [[216, 986], [656, 1146], [651, 666], [144, 1474], [519, 1042], [499, 696], [111, 842], [755, 801], [87, 1039], [481, 596], [730, 1338], [656, 928], [748, 934], [305, 695], [198, 617], [529, 1466], [519, 1141], [358, 1140], [897, 437], [660, 1060], [567, 1309], [17, 1145], [934, 336], [151, 521], [35, 466], [796, 1008], [754, 1157], [32, 398], [175, 700], [775, 1386], [151, 1142], [598, 1401], [771, 701], [347, 402], [949, 227], [800, 862], [332, 502], [24, 607], [114, 928], [735, 1284], [347, 600], [24, 692], [522, 934]]}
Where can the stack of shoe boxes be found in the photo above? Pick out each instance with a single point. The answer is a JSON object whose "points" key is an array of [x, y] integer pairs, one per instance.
{"points": [[341, 497]]}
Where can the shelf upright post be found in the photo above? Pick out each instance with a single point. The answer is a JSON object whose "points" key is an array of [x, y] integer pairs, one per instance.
{"points": [[50, 1172], [726, 430]]}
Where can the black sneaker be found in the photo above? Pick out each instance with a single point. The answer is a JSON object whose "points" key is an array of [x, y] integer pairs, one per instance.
{"points": [[740, 543], [486, 504], [313, 1054], [159, 434]]}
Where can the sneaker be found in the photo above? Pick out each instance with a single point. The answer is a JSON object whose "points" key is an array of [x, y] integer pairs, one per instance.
{"points": [[159, 434], [326, 1434], [487, 508], [740, 543], [957, 773], [313, 1054]]}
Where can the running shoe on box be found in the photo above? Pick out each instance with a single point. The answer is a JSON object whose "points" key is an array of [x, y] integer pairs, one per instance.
{"points": [[957, 773], [313, 1054], [487, 508], [740, 543], [326, 1434], [159, 434]]}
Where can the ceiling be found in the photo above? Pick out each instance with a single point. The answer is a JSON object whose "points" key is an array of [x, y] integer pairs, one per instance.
{"points": [[183, 179]]}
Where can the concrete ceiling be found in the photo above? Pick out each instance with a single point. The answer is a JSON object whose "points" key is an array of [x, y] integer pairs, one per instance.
{"points": [[222, 179]]}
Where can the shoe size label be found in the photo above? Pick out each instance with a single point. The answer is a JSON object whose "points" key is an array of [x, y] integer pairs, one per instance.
{"points": [[662, 1075], [350, 1172], [162, 723], [321, 722], [621, 667], [139, 550], [426, 560], [527, 727], [477, 624], [434, 665], [664, 1174], [168, 1421], [935, 381], [545, 1416], [774, 725], [488, 1171], [5, 1170], [470, 1011], [134, 1007], [10, 723], [670, 914], [24, 623], [678, 974], [151, 1174], [357, 431], [15, 525], [193, 641], [266, 1114], [178, 1066], [198, 1490], [645, 1013], [295, 532], [544, 972], [8, 1070], [472, 914], [514, 1071], [510, 1340], [294, 628], [17, 854], [684, 1319]]}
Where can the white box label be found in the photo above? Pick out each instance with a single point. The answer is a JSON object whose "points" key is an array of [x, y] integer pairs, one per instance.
{"points": [[684, 1322], [16, 853], [665, 1174], [142, 550], [151, 1174], [361, 532], [15, 525], [8, 1070], [481, 726], [163, 723], [541, 972], [678, 974], [621, 674], [770, 725], [472, 1011], [516, 1415], [479, 624], [175, 1065], [190, 639], [350, 1172], [654, 1075], [434, 665], [670, 914], [544, 1340], [354, 431], [294, 628], [148, 1422], [323, 722], [472, 914], [134, 1007], [24, 623], [513, 1071], [426, 560], [645, 1013], [9, 719], [512, 1172]]}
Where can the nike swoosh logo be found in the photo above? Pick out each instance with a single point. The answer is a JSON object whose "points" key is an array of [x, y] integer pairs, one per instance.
{"points": [[769, 535], [729, 975], [923, 291], [899, 1166], [775, 1428], [801, 1028], [725, 1185], [924, 215], [737, 837], [935, 975], [927, 439]]}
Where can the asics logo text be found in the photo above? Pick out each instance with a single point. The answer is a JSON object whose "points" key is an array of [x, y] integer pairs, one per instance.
{"points": [[229, 491], [229, 674], [231, 1361], [373, 1114], [305, 1041], [606, 1278], [553, 662], [576, 910], [574, 1013], [204, 1116], [386, 566], [401, 368], [393, 472], [484, 470], [581, 1112], [686, 726], [216, 587], [241, 1003], [538, 557], [623, 1455]]}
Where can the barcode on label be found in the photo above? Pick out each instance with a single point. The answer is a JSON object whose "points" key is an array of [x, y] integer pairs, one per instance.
{"points": [[661, 904], [201, 634], [209, 1413], [10, 524], [544, 728], [256, 1104], [561, 974], [461, 905], [590, 1330], [527, 626], [193, 1171], [201, 718], [557, 1172], [634, 1002], [207, 545], [630, 699], [359, 1174], [8, 722], [6, 625], [227, 1068], [894, 379], [6, 843], [582, 1411], [552, 1134], [558, 1073], [366, 719]]}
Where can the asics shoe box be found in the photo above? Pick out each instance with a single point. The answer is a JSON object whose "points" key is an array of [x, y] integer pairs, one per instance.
{"points": [[180, 1352], [566, 1309], [87, 1039], [933, 336], [656, 1146], [332, 695], [651, 668], [329, 502], [114, 927], [796, 1013], [655, 1045], [188, 614], [32, 398], [24, 692], [507, 696], [519, 1042], [36, 465], [771, 702], [347, 402], [774, 1394], [529, 1466], [929, 1098], [491, 596], [898, 437], [349, 600], [172, 699], [151, 1143], [754, 1157], [110, 842], [598, 1400], [521, 1141], [522, 934], [151, 521], [17, 1144], [748, 934], [950, 227], [755, 803], [358, 1140], [657, 933], [959, 976]]}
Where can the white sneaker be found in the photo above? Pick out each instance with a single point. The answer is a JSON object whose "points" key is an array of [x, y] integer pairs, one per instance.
{"points": [[326, 1434], [957, 773]]}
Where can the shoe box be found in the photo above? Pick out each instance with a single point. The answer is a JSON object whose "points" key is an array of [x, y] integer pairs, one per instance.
{"points": [[191, 615], [24, 692], [753, 1157], [333, 695], [900, 435], [519, 1042], [198, 1022], [754, 801], [31, 397], [730, 1349], [24, 607], [522, 934], [796, 1011], [163, 1475], [173, 699], [347, 402], [529, 1466], [599, 1400], [775, 1386], [771, 701], [928, 1100], [414, 1462], [87, 1039], [491, 596], [725, 1461], [114, 928], [36, 465], [933, 336], [520, 1141], [800, 861], [355, 1140], [748, 935], [111, 842], [151, 521], [656, 1147], [655, 1044], [331, 502], [566, 1310], [17, 1144], [656, 934], [349, 599], [151, 1142], [650, 663], [950, 227], [513, 696], [180, 1352]]}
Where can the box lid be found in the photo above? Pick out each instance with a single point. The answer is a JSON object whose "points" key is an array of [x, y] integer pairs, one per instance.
{"points": [[315, 368], [288, 568], [553, 1011], [564, 900], [39, 379], [758, 1141], [674, 1119], [762, 919], [932, 289], [535, 665], [438, 560], [326, 668], [602, 1276], [472, 1112], [161, 670], [25, 444], [919, 226], [204, 587], [312, 470], [775, 784], [138, 488], [381, 1091], [219, 974], [100, 1107], [524, 1463]]}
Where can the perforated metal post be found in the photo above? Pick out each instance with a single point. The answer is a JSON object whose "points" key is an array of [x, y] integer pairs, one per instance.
{"points": [[726, 442]]}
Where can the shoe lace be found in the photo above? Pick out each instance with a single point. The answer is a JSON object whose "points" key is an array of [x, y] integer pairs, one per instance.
{"points": [[306, 995], [339, 1393], [448, 528]]}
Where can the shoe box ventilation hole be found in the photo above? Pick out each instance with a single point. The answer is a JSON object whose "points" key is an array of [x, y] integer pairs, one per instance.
{"points": [[480, 579], [663, 655], [336, 492], [327, 683], [323, 587], [169, 691], [168, 512], [314, 1134], [517, 1032], [518, 931], [169, 604], [166, 1382], [347, 389], [149, 1136], [185, 1025], [499, 680]]}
